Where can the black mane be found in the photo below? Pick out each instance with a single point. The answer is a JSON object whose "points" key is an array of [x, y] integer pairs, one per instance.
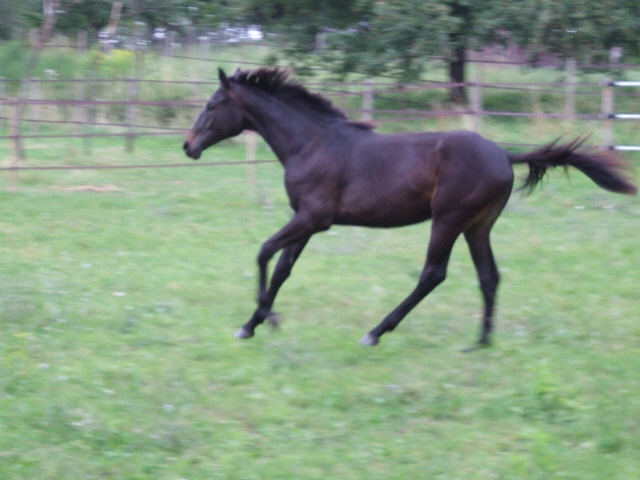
{"points": [[277, 82]]}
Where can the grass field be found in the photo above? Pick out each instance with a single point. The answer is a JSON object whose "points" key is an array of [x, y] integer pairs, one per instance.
{"points": [[118, 308]]}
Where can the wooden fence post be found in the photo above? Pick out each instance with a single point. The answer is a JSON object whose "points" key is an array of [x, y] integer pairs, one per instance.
{"points": [[132, 107], [130, 115], [3, 105], [91, 111], [475, 99], [536, 106], [570, 89], [615, 56], [367, 101], [607, 114], [35, 110], [34, 37], [18, 150], [82, 42], [80, 112], [15, 128]]}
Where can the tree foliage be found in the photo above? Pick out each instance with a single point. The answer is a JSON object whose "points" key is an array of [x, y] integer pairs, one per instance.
{"points": [[94, 15], [395, 37], [374, 36], [581, 29], [17, 16], [381, 36]]}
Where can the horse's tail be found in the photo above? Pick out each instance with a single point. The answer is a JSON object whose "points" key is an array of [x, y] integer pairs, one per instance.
{"points": [[604, 168]]}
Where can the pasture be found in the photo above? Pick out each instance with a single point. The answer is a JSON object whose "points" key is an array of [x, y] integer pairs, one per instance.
{"points": [[120, 291]]}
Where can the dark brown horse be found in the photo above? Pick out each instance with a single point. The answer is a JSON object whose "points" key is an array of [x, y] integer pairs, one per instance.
{"points": [[340, 172]]}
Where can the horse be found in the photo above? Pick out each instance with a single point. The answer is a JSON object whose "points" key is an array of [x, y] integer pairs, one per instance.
{"points": [[340, 172]]}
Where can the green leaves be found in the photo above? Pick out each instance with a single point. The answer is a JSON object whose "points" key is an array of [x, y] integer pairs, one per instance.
{"points": [[395, 36], [582, 29]]}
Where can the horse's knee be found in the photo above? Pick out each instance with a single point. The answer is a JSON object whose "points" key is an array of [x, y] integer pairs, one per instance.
{"points": [[489, 283], [431, 278], [265, 254]]}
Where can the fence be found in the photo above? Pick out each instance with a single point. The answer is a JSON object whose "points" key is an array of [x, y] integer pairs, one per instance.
{"points": [[608, 102], [79, 112]]}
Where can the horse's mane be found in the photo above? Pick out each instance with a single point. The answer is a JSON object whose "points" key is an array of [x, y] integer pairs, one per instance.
{"points": [[278, 83]]}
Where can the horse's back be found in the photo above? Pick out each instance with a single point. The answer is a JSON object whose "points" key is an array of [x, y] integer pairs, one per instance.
{"points": [[428, 158]]}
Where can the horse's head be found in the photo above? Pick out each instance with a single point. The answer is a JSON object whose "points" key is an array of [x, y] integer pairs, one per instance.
{"points": [[221, 118]]}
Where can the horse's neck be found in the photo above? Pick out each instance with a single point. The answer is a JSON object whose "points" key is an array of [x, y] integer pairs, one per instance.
{"points": [[287, 131]]}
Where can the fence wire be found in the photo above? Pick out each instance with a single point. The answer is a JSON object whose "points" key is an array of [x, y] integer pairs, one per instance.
{"points": [[380, 90]]}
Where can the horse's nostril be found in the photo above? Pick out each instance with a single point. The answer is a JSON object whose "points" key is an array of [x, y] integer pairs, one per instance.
{"points": [[185, 146]]}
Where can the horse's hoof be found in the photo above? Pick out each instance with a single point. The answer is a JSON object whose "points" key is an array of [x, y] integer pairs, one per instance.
{"points": [[369, 340], [244, 333], [274, 320], [475, 348]]}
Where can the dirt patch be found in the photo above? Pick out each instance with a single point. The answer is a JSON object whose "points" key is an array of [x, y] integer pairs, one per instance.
{"points": [[91, 188]]}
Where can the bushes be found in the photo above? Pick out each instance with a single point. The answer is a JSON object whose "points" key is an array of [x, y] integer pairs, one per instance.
{"points": [[111, 70]]}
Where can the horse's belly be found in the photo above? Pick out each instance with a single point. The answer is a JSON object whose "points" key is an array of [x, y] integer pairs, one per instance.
{"points": [[387, 214]]}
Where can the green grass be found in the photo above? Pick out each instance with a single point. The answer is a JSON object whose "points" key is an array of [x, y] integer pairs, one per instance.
{"points": [[117, 356]]}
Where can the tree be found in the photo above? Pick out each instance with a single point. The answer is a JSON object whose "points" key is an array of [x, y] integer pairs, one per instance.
{"points": [[582, 29], [19, 16], [385, 36], [305, 24], [396, 36], [400, 34], [9, 18], [88, 15]]}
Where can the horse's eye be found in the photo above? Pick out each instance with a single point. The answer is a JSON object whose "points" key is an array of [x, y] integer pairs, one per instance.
{"points": [[210, 106]]}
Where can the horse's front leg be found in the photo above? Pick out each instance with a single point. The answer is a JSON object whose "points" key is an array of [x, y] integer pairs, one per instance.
{"points": [[266, 297], [292, 239]]}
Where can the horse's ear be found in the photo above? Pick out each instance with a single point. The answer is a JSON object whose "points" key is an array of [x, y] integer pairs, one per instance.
{"points": [[238, 72], [224, 81]]}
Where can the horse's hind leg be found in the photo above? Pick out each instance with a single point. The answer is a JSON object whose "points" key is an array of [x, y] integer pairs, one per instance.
{"points": [[480, 247], [443, 236], [478, 239], [282, 271]]}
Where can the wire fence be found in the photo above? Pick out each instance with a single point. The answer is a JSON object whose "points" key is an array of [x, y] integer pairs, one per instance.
{"points": [[136, 167], [85, 108], [419, 108]]}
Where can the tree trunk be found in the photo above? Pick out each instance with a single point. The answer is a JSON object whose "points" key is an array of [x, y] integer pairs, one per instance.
{"points": [[112, 27], [456, 75]]}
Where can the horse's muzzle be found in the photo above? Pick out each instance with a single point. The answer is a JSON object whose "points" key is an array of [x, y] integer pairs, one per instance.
{"points": [[190, 151]]}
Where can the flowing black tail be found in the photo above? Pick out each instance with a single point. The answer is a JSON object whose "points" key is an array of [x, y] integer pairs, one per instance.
{"points": [[604, 168]]}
